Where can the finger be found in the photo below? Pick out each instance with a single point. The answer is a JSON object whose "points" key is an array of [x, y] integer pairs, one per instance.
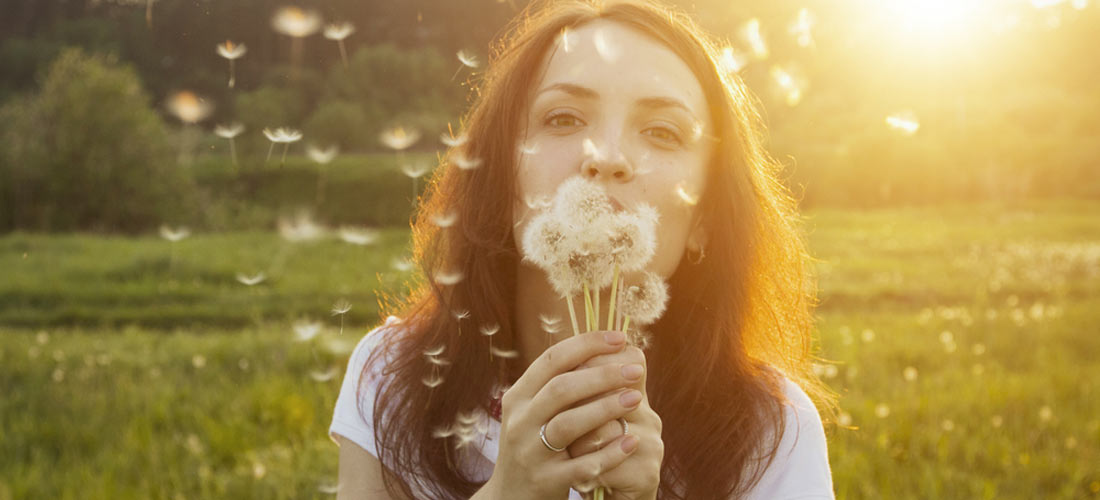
{"points": [[629, 354], [563, 357], [583, 471], [570, 425], [567, 389], [598, 437]]}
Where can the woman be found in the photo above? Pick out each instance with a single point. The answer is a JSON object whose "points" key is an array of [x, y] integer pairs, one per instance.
{"points": [[629, 95]]}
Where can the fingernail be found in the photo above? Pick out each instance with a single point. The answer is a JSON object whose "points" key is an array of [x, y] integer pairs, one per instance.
{"points": [[614, 338], [630, 443], [632, 372], [630, 398]]}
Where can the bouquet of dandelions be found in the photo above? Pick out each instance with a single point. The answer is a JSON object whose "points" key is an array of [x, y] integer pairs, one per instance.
{"points": [[585, 246]]}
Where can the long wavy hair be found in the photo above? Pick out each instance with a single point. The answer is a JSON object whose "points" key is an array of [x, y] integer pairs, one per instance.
{"points": [[736, 322]]}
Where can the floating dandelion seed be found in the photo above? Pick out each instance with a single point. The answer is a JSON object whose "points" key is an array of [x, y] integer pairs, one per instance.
{"points": [[910, 374], [438, 361], [358, 236], [322, 156], [300, 228], [948, 425], [688, 198], [198, 361], [465, 163], [232, 52], [882, 410], [339, 32], [415, 170], [461, 314], [58, 375], [328, 488], [868, 335], [1046, 414], [188, 107], [448, 279], [732, 61], [401, 265], [529, 149], [323, 376], [904, 122], [444, 220], [830, 371], [295, 22], [281, 135], [341, 308], [506, 354], [435, 351], [844, 419], [399, 138], [452, 141], [537, 202], [792, 86], [591, 150], [432, 381], [978, 349], [174, 234], [252, 280], [230, 132], [996, 421], [305, 330], [489, 331], [751, 33], [802, 27], [468, 58]]}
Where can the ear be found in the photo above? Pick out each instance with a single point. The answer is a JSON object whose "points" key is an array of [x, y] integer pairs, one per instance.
{"points": [[697, 239]]}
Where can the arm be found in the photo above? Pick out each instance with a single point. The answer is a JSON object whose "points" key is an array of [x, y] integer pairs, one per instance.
{"points": [[361, 476]]}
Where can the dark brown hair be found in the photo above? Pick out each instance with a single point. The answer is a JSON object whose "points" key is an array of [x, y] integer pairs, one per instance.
{"points": [[735, 322]]}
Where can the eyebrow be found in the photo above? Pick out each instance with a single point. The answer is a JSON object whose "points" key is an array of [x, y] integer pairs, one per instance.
{"points": [[653, 102]]}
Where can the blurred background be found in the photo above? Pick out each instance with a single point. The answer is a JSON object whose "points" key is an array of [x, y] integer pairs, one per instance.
{"points": [[200, 202]]}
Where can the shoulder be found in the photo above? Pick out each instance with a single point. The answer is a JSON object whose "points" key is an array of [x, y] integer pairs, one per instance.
{"points": [[380, 337], [800, 468]]}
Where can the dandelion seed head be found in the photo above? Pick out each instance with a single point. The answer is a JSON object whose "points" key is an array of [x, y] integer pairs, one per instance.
{"points": [[339, 31], [468, 58], [358, 236], [543, 241], [444, 220], [503, 353], [295, 22], [228, 131], [322, 156], [580, 201], [230, 50], [633, 237], [188, 107], [251, 280], [399, 138], [306, 330], [341, 306], [448, 279], [174, 234], [299, 228], [466, 163], [645, 302], [432, 381], [415, 170], [282, 135], [323, 376]]}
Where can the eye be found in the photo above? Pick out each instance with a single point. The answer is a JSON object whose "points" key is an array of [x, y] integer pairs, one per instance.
{"points": [[664, 134], [562, 120]]}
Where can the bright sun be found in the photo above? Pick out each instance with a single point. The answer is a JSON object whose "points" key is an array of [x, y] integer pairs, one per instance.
{"points": [[932, 22]]}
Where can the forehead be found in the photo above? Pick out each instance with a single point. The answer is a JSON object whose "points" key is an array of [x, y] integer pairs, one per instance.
{"points": [[618, 61]]}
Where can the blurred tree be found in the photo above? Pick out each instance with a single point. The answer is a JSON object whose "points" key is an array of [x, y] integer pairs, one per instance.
{"points": [[86, 152]]}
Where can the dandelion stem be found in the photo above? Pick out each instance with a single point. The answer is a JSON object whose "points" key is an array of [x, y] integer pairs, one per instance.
{"points": [[587, 309], [596, 309], [619, 312], [233, 151], [269, 150], [572, 314], [286, 146], [626, 323], [343, 54], [232, 74], [611, 299]]}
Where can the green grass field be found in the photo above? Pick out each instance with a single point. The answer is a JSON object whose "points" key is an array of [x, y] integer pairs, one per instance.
{"points": [[964, 342]]}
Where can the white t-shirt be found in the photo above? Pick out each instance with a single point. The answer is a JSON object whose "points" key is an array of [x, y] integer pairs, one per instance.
{"points": [[800, 469]]}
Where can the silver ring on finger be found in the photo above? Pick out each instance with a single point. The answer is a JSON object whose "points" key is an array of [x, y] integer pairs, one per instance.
{"points": [[542, 435]]}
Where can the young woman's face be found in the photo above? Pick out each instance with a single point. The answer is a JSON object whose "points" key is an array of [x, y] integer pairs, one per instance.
{"points": [[624, 110]]}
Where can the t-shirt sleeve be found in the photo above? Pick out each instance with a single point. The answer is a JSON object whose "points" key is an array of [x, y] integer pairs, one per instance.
{"points": [[353, 416], [800, 470]]}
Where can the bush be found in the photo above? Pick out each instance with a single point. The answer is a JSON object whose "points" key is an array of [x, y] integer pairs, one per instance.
{"points": [[86, 152]]}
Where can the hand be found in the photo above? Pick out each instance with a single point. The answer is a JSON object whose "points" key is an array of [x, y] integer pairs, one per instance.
{"points": [[638, 477], [548, 393]]}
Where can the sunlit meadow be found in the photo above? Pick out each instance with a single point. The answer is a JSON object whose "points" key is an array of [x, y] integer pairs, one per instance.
{"points": [[182, 333]]}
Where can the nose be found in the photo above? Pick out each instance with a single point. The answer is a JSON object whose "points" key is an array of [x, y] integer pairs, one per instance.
{"points": [[615, 168]]}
